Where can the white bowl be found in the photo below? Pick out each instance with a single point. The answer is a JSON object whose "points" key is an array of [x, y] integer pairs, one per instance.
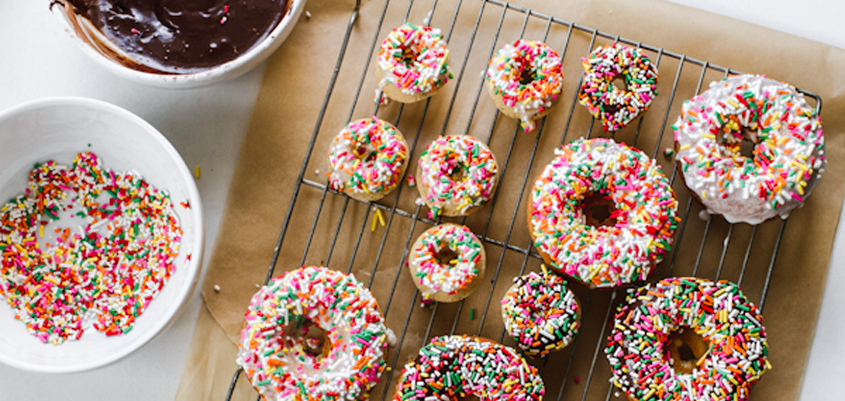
{"points": [[105, 53], [57, 129]]}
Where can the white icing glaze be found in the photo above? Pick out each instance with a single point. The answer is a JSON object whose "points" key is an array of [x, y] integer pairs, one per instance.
{"points": [[433, 276], [414, 59]]}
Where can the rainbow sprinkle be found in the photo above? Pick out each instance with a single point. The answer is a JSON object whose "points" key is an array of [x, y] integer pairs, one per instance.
{"points": [[102, 274], [457, 173], [367, 157], [506, 73], [540, 313], [273, 346], [645, 213], [414, 59], [786, 162], [614, 107], [455, 367], [431, 275], [717, 312]]}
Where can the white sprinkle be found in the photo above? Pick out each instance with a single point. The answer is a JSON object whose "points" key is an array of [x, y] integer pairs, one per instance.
{"points": [[317, 172], [216, 288], [703, 215], [308, 14]]}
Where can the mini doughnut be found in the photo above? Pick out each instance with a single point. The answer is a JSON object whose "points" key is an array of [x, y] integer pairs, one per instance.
{"points": [[592, 177], [367, 159], [727, 349], [614, 107], [540, 313], [413, 63], [456, 279], [525, 78], [456, 176], [281, 354], [787, 160], [452, 368]]}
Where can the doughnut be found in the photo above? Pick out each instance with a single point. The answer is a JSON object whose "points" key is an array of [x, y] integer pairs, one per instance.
{"points": [[454, 278], [602, 213], [413, 63], [102, 273], [367, 159], [540, 313], [285, 356], [788, 156], [686, 339], [452, 368], [525, 78], [456, 175], [614, 107]]}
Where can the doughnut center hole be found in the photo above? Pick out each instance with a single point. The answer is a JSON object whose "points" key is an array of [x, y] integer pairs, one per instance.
{"points": [[409, 57], [365, 154], [526, 77], [749, 142], [312, 337], [619, 83], [685, 348], [445, 256], [598, 210], [458, 174]]}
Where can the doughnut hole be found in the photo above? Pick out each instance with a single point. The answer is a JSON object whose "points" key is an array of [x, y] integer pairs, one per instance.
{"points": [[526, 77], [366, 154], [749, 143], [598, 210], [684, 348], [409, 57], [445, 256], [458, 174], [310, 336], [619, 83]]}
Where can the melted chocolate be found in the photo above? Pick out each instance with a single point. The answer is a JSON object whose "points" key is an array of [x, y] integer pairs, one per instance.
{"points": [[183, 36]]}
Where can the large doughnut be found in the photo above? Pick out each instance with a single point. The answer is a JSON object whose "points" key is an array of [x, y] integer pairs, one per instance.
{"points": [[449, 281], [786, 162], [452, 368], [286, 362], [456, 175], [726, 350], [636, 230], [413, 63], [367, 159], [525, 78], [614, 107], [540, 313]]}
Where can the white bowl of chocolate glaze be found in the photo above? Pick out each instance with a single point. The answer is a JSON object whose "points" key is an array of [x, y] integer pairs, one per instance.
{"points": [[58, 129], [105, 52]]}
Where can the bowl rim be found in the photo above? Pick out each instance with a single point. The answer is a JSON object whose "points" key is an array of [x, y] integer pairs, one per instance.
{"points": [[193, 267], [223, 72]]}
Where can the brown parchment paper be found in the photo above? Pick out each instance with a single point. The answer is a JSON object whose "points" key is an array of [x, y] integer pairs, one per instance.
{"points": [[292, 93]]}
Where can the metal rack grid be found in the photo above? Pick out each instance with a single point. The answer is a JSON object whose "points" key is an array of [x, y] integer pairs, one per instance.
{"points": [[593, 297]]}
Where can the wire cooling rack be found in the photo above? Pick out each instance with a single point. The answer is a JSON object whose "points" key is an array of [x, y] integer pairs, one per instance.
{"points": [[702, 245]]}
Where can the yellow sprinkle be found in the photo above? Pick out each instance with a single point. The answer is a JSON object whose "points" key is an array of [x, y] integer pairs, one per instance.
{"points": [[685, 147], [375, 222], [380, 217], [197, 171], [41, 231]]}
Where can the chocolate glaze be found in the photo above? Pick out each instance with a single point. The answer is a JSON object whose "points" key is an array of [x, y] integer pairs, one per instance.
{"points": [[183, 36]]}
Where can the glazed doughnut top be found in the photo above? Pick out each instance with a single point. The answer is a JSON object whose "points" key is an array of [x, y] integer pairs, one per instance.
{"points": [[785, 164]]}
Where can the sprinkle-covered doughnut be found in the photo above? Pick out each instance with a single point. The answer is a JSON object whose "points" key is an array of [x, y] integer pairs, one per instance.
{"points": [[541, 313], [447, 281], [641, 204], [525, 78], [613, 106], [732, 354], [786, 162], [367, 159], [456, 176], [413, 62], [452, 368], [277, 352]]}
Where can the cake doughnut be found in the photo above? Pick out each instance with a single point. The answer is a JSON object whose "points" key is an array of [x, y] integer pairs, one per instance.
{"points": [[413, 63], [540, 313], [613, 106], [367, 159], [280, 348], [726, 350], [525, 78], [452, 280], [602, 213], [456, 175], [452, 368], [788, 157]]}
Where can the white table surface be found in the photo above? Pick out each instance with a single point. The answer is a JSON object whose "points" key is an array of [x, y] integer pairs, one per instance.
{"points": [[207, 127]]}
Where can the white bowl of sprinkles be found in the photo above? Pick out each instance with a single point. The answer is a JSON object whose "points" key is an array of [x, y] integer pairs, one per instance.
{"points": [[131, 153]]}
